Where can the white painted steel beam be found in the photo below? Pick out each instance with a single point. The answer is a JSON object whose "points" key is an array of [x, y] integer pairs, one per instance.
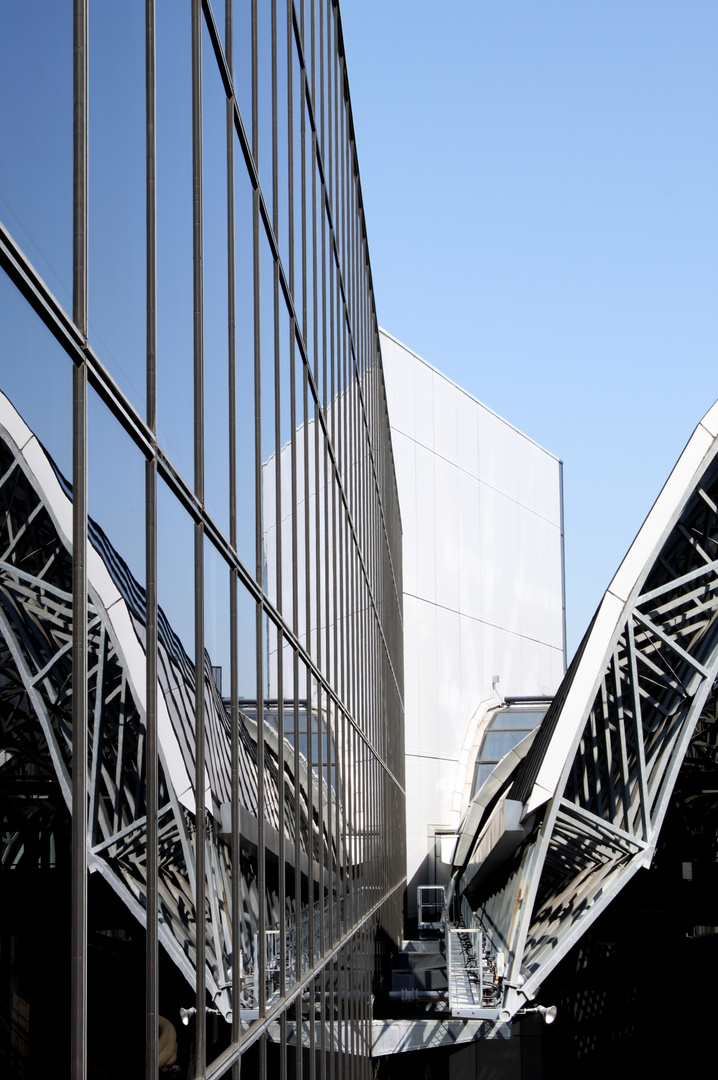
{"points": [[597, 779]]}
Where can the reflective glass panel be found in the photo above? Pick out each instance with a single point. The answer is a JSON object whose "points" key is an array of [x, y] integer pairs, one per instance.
{"points": [[175, 302], [218, 757], [281, 224], [312, 535], [175, 566], [311, 242], [117, 193], [511, 719], [297, 217], [302, 507], [117, 766], [248, 785], [32, 358], [264, 87], [242, 60], [286, 511], [244, 361], [216, 344], [36, 136], [268, 421], [176, 702], [116, 479]]}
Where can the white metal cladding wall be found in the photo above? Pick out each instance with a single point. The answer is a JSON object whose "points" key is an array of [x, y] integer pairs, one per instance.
{"points": [[186, 296], [483, 585]]}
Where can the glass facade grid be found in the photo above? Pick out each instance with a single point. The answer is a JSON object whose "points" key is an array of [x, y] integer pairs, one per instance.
{"points": [[243, 830]]}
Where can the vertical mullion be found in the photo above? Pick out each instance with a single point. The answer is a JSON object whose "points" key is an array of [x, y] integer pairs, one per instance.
{"points": [[303, 159], [78, 1048], [281, 829], [197, 248], [321, 699], [278, 519], [319, 113], [315, 334], [235, 857], [260, 959], [290, 153], [152, 942], [152, 916], [335, 149], [231, 298], [306, 391], [337, 660], [298, 867]]}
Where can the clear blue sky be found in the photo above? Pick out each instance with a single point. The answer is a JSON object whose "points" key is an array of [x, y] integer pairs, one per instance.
{"points": [[541, 191]]}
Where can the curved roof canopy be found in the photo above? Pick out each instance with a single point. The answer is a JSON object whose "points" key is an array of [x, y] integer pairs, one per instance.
{"points": [[581, 812]]}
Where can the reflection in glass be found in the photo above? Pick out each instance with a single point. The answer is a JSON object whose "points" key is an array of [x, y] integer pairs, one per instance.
{"points": [[37, 731], [36, 136], [32, 358], [331, 582], [302, 495], [286, 774], [216, 345], [311, 276], [322, 338], [285, 506], [292, 851], [116, 485], [219, 870], [268, 421], [312, 539], [175, 302], [117, 184], [219, 18], [263, 136], [298, 233], [245, 844], [281, 224], [116, 707], [504, 730], [175, 566], [242, 57], [323, 568], [244, 361]]}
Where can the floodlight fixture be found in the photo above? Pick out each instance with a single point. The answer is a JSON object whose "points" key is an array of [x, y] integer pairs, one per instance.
{"points": [[548, 1012], [186, 1015]]}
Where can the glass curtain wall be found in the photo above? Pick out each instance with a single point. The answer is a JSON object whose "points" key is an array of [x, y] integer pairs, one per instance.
{"points": [[201, 675]]}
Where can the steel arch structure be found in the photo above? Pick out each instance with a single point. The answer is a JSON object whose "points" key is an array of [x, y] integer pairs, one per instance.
{"points": [[36, 738], [579, 811]]}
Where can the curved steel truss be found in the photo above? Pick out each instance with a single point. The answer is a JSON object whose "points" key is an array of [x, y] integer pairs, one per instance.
{"points": [[587, 803], [36, 729]]}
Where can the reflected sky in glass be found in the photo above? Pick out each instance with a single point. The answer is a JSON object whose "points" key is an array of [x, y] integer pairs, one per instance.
{"points": [[36, 121], [175, 565], [216, 344], [175, 303], [117, 192], [31, 357], [116, 485]]}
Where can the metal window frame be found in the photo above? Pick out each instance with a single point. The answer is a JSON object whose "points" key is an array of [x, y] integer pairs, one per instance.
{"points": [[334, 339]]}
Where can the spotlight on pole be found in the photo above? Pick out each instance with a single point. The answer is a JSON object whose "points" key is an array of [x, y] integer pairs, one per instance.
{"points": [[548, 1012], [186, 1015]]}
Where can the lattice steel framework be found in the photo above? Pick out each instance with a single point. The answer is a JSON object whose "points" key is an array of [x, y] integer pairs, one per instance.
{"points": [[36, 735], [271, 217], [595, 785]]}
